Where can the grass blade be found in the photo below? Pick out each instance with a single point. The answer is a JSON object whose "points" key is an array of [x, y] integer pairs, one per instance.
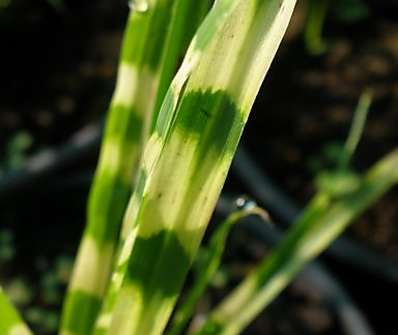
{"points": [[357, 128], [316, 16], [10, 321], [153, 35], [187, 158], [210, 263], [314, 231], [185, 17]]}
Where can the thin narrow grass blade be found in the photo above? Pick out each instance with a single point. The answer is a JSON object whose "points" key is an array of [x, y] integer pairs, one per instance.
{"points": [[187, 157], [149, 57], [317, 12], [10, 321], [209, 265], [312, 234], [357, 128]]}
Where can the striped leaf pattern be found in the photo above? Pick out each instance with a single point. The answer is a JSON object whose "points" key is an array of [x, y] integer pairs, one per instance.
{"points": [[155, 39], [188, 156]]}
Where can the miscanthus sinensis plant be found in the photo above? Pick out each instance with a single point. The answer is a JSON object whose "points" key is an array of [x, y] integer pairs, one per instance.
{"points": [[169, 141]]}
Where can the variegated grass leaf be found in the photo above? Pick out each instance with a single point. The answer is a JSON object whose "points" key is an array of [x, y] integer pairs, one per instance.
{"points": [[154, 41], [187, 157]]}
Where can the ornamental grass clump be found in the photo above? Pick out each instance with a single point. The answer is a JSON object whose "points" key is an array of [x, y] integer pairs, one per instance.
{"points": [[167, 149]]}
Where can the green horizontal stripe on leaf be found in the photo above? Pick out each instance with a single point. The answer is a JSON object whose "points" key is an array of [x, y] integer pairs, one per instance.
{"points": [[186, 18], [124, 120], [214, 118], [107, 205], [209, 30], [77, 320], [146, 31], [162, 270], [214, 121], [112, 184], [197, 150], [154, 276]]}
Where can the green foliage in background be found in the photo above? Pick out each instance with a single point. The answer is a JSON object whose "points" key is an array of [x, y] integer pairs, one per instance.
{"points": [[350, 10], [344, 11]]}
